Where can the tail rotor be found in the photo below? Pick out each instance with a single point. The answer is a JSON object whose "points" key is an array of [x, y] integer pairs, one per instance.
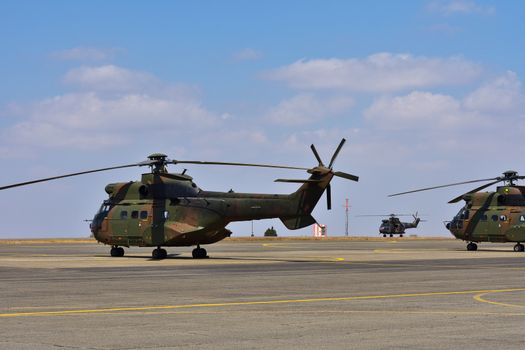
{"points": [[323, 169]]}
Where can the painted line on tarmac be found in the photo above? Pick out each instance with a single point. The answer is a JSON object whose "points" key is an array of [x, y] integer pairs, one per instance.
{"points": [[251, 303], [331, 312], [481, 299]]}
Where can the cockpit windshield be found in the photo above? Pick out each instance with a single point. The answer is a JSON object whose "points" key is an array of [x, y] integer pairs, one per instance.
{"points": [[104, 208]]}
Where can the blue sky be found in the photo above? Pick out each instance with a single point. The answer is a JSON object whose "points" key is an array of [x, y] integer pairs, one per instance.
{"points": [[426, 92]]}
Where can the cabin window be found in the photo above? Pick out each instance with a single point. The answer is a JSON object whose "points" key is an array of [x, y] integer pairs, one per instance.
{"points": [[135, 214], [483, 217], [522, 218], [464, 215], [503, 217], [166, 214], [494, 217], [123, 214], [144, 214]]}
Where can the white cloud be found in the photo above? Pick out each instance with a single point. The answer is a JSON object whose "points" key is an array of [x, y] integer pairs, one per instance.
{"points": [[489, 105], [417, 109], [89, 120], [118, 107], [110, 78], [459, 7], [380, 72], [306, 108], [85, 54], [501, 95], [247, 55]]}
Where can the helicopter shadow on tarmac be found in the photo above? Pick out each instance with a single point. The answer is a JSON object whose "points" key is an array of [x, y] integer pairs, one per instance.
{"points": [[176, 256]]}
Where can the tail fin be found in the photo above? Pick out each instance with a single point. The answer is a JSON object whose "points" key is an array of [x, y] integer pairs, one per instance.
{"points": [[305, 199], [297, 222]]}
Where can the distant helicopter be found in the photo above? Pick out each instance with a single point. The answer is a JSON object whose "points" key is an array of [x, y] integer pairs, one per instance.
{"points": [[168, 209], [393, 226], [489, 216]]}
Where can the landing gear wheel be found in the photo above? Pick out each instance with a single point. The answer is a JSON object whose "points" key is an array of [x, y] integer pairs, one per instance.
{"points": [[117, 251], [159, 253], [472, 246], [199, 253], [519, 247], [400, 236], [384, 235], [391, 235]]}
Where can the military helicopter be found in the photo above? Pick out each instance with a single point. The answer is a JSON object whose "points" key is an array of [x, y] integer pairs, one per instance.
{"points": [[393, 226], [489, 216], [168, 209]]}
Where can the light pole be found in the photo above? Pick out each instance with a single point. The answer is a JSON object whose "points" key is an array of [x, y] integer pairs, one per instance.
{"points": [[347, 207]]}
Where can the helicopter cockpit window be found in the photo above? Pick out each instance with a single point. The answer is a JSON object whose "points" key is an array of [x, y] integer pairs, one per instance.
{"points": [[104, 208], [123, 214], [144, 214], [464, 215], [483, 217], [522, 218], [135, 214], [494, 218], [503, 217]]}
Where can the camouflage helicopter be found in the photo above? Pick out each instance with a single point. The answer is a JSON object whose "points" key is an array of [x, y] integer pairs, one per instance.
{"points": [[489, 216], [393, 226], [168, 209]]}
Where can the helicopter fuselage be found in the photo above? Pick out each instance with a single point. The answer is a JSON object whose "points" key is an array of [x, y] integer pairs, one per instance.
{"points": [[394, 226], [170, 210], [491, 216]]}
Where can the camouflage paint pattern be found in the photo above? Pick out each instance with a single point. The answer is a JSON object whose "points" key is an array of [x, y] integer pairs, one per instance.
{"points": [[491, 216], [394, 226], [165, 209]]}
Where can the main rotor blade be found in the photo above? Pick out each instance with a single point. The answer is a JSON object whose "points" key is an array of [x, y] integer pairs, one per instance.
{"points": [[458, 198], [198, 162], [336, 153], [329, 197], [441, 186], [316, 155], [297, 181], [346, 176], [380, 215], [75, 174]]}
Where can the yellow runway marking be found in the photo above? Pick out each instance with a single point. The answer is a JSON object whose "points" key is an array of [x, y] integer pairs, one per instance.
{"points": [[251, 303], [331, 312], [479, 297]]}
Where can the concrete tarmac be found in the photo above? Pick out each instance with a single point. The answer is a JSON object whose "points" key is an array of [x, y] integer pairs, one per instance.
{"points": [[389, 294]]}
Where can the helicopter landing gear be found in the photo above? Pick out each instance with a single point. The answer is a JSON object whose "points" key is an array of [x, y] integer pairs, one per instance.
{"points": [[400, 236], [472, 246], [519, 247], [116, 251], [159, 253], [384, 234], [391, 235], [199, 253]]}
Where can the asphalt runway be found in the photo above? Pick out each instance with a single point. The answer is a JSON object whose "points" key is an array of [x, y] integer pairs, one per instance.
{"points": [[391, 294]]}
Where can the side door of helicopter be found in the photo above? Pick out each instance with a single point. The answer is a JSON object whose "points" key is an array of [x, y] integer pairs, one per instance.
{"points": [[117, 225], [497, 222], [139, 222]]}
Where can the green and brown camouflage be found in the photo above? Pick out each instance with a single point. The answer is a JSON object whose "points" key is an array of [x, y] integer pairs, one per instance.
{"points": [[166, 209], [169, 209], [394, 226], [490, 216]]}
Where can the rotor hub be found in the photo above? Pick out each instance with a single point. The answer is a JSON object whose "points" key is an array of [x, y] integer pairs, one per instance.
{"points": [[509, 176], [159, 161]]}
